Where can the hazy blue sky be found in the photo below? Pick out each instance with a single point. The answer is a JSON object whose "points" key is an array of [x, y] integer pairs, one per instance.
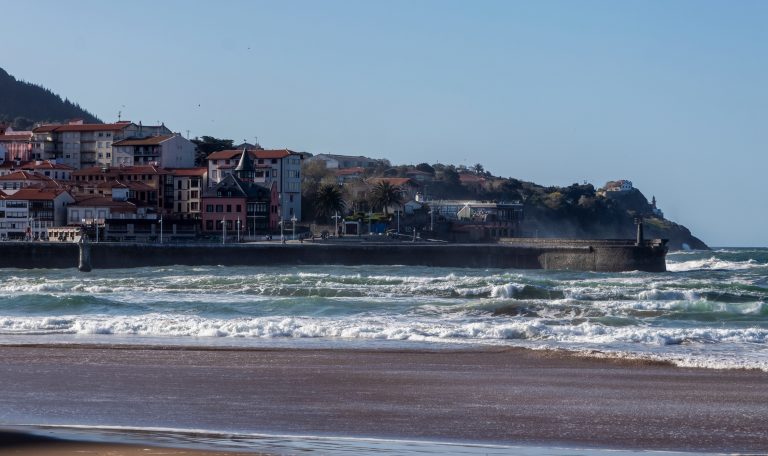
{"points": [[672, 95]]}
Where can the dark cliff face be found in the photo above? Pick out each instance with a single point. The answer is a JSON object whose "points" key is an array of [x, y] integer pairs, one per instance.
{"points": [[589, 216]]}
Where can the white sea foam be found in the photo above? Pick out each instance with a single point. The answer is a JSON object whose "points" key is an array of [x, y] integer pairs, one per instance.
{"points": [[505, 291], [397, 328], [713, 263]]}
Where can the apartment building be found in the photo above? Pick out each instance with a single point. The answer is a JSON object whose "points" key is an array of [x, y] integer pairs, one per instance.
{"points": [[166, 151], [30, 212], [82, 145]]}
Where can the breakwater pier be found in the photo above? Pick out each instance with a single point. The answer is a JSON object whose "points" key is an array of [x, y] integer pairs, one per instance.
{"points": [[581, 255]]}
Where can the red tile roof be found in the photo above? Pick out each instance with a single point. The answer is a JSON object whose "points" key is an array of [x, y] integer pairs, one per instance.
{"points": [[35, 194], [350, 171], [396, 181], [22, 175], [15, 137], [47, 165], [102, 201], [151, 141], [97, 170], [10, 164], [189, 171], [470, 179], [255, 153], [81, 127]]}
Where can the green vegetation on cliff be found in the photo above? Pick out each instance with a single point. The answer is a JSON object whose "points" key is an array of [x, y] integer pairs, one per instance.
{"points": [[22, 104], [576, 211]]}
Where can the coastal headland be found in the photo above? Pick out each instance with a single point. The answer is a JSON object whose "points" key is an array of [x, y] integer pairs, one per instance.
{"points": [[592, 255], [491, 395]]}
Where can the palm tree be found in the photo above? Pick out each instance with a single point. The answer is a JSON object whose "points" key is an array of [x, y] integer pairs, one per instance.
{"points": [[384, 194], [328, 200]]}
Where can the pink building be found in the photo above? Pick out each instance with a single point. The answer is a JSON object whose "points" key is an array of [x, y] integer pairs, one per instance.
{"points": [[15, 145], [239, 203]]}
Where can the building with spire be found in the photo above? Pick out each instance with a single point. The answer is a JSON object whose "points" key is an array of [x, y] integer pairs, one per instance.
{"points": [[241, 202], [281, 167]]}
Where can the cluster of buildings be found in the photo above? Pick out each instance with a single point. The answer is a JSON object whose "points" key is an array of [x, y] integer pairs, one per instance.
{"points": [[130, 182]]}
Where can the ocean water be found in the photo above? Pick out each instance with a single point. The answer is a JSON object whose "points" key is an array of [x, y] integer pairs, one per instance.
{"points": [[709, 310]]}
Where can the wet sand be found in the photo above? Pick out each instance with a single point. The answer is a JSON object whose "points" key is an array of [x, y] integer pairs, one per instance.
{"points": [[20, 444], [511, 396]]}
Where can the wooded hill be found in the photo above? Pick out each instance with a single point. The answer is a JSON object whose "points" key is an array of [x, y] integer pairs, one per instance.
{"points": [[22, 104]]}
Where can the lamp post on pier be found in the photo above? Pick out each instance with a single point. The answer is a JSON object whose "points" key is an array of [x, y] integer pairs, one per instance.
{"points": [[161, 229], [224, 230], [238, 229], [293, 228], [336, 218], [282, 226]]}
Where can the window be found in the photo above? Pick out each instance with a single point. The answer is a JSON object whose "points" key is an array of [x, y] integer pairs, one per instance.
{"points": [[274, 161], [219, 208], [209, 208], [178, 184], [229, 208], [238, 208], [209, 225]]}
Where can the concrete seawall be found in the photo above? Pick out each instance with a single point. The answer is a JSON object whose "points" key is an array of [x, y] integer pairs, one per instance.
{"points": [[578, 255]]}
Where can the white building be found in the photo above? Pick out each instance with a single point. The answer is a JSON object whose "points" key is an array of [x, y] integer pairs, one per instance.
{"points": [[334, 161], [622, 185], [30, 212], [81, 145], [281, 166], [167, 151]]}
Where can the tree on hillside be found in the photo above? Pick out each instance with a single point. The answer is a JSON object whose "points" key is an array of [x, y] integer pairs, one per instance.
{"points": [[206, 145], [425, 168], [328, 200], [385, 194], [478, 168]]}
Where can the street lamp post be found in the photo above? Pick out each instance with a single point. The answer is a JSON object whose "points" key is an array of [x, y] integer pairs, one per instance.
{"points": [[431, 219], [282, 226], [224, 230], [370, 214], [161, 229], [238, 229], [398, 222], [293, 228], [336, 218]]}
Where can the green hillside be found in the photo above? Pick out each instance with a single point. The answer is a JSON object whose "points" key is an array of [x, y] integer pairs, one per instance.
{"points": [[22, 104]]}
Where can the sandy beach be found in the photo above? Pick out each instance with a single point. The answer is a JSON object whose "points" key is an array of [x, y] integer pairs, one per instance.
{"points": [[511, 396]]}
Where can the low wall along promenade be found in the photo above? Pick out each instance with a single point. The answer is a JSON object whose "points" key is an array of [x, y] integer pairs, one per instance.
{"points": [[596, 255]]}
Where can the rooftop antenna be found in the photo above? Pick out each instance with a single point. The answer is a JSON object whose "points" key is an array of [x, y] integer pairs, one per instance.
{"points": [[119, 115], [187, 134]]}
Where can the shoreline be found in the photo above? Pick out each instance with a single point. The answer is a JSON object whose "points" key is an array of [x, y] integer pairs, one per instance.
{"points": [[511, 396]]}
